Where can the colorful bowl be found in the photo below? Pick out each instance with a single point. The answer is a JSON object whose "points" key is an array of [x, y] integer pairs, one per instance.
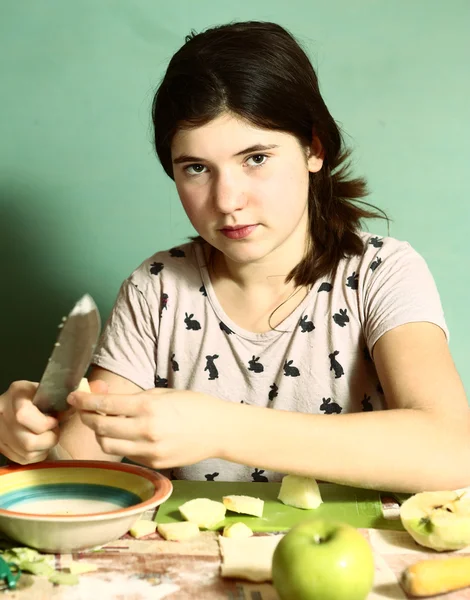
{"points": [[67, 506]]}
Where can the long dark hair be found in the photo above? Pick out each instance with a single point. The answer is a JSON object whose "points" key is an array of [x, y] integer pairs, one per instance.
{"points": [[257, 70]]}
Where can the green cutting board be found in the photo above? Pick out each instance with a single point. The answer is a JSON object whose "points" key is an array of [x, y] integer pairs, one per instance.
{"points": [[356, 506]]}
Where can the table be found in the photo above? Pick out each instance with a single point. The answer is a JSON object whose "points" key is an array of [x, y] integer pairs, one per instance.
{"points": [[154, 569]]}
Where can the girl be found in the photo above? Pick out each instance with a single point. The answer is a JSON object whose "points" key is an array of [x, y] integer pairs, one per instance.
{"points": [[281, 340]]}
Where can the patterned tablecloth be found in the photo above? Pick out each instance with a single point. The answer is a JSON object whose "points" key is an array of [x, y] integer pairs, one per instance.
{"points": [[153, 569]]}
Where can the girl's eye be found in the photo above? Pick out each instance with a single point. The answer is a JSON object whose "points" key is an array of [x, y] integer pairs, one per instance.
{"points": [[194, 169], [258, 159]]}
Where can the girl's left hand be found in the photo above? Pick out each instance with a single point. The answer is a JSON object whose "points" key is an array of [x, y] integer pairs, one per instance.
{"points": [[160, 428]]}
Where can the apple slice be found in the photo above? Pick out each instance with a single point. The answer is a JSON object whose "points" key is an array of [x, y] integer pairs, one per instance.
{"points": [[203, 512], [300, 492], [438, 520], [83, 386], [237, 530], [142, 527], [178, 532], [247, 505]]}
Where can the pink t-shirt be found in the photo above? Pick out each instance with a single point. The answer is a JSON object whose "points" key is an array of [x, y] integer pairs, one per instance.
{"points": [[167, 329]]}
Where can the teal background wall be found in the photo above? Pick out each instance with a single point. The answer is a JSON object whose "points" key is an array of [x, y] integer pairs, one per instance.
{"points": [[83, 199]]}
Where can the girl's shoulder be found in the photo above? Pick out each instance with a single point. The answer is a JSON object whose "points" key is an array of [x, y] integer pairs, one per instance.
{"points": [[379, 251], [375, 244], [178, 266]]}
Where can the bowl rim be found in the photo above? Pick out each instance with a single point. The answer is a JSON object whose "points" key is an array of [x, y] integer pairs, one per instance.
{"points": [[163, 489]]}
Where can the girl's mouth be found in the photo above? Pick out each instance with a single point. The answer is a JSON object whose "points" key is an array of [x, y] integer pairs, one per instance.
{"points": [[239, 232]]}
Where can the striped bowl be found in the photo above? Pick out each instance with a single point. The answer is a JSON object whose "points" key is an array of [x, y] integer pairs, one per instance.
{"points": [[67, 506]]}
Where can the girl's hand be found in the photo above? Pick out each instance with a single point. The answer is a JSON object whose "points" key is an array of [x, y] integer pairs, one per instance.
{"points": [[160, 428], [26, 434]]}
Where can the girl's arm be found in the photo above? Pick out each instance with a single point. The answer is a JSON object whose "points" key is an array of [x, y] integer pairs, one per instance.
{"points": [[421, 443], [77, 441]]}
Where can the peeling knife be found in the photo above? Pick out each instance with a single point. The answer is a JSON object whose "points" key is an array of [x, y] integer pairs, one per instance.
{"points": [[70, 358]]}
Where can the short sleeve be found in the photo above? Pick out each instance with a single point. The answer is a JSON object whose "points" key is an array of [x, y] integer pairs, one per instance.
{"points": [[398, 288], [128, 342]]}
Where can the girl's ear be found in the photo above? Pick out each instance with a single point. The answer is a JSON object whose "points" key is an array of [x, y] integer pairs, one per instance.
{"points": [[316, 155]]}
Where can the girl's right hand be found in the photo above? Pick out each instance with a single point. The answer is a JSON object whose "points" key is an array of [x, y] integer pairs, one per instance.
{"points": [[26, 434]]}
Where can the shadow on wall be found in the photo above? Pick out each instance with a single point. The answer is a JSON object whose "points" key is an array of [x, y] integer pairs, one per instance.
{"points": [[33, 291]]}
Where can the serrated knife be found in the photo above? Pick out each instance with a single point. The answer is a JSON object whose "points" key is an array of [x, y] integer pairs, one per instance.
{"points": [[71, 356]]}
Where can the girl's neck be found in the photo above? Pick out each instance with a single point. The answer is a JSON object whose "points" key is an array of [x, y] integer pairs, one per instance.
{"points": [[257, 298], [268, 273]]}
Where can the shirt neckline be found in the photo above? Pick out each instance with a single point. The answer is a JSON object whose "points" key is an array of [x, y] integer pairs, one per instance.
{"points": [[287, 325]]}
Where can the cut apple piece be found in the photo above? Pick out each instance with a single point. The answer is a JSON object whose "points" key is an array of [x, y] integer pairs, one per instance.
{"points": [[247, 505], [142, 527], [300, 492], [83, 386], [237, 530], [178, 532], [78, 568], [203, 512], [438, 520]]}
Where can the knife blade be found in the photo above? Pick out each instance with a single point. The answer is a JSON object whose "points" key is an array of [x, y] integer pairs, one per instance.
{"points": [[70, 357]]}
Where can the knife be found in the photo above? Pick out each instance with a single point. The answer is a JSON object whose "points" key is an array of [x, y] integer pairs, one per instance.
{"points": [[70, 357]]}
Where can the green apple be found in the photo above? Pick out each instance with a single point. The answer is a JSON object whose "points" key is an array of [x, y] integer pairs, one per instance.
{"points": [[323, 560], [438, 520]]}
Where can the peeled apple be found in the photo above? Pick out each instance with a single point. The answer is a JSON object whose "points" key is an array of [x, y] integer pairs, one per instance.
{"points": [[246, 505], [438, 520], [203, 512], [300, 492]]}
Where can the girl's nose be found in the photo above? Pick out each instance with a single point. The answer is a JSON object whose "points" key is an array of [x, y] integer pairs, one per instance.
{"points": [[229, 196]]}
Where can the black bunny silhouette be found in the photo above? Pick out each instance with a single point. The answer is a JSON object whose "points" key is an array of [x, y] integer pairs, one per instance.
{"points": [[160, 382], [334, 364], [258, 475], [273, 393], [202, 289], [254, 365], [289, 370], [224, 328], [156, 267], [191, 324], [305, 325], [210, 366], [325, 287], [330, 407], [353, 281], [376, 242], [174, 365], [375, 263], [341, 318], [177, 252], [163, 304], [366, 403], [211, 476]]}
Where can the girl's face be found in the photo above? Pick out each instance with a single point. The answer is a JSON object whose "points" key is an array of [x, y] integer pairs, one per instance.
{"points": [[245, 189]]}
